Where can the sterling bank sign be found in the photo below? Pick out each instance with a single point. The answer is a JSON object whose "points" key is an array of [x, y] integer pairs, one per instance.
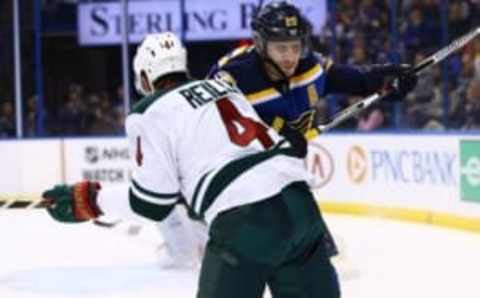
{"points": [[100, 23]]}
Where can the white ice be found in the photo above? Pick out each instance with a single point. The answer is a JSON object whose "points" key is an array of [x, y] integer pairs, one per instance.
{"points": [[40, 258]]}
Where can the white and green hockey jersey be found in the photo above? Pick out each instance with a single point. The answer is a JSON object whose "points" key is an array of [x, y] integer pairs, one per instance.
{"points": [[204, 144]]}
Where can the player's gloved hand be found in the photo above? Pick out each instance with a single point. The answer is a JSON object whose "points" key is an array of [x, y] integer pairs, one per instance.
{"points": [[395, 76], [403, 85], [377, 75], [292, 135], [73, 203]]}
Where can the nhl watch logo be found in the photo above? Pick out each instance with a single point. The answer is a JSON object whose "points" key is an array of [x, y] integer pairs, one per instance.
{"points": [[92, 154]]}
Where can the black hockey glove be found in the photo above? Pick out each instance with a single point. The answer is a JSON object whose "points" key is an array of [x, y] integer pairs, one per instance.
{"points": [[73, 203], [379, 76], [403, 85], [292, 135]]}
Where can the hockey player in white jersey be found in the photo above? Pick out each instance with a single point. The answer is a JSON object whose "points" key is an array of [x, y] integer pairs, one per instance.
{"points": [[179, 232], [201, 144]]}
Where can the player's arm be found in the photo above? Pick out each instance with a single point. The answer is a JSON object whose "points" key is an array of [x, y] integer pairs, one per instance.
{"points": [[152, 193], [154, 188], [365, 80]]}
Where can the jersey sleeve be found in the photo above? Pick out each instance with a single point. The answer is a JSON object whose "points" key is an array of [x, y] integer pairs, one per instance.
{"points": [[154, 188]]}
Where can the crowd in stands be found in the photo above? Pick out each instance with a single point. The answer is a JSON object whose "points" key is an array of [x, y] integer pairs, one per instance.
{"points": [[446, 96], [79, 113], [363, 35]]}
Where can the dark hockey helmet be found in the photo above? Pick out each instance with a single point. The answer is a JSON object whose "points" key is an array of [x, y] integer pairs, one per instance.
{"points": [[280, 21]]}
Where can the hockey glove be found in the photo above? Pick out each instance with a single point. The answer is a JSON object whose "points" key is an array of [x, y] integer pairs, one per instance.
{"points": [[73, 203], [377, 76], [403, 85], [394, 77], [292, 135]]}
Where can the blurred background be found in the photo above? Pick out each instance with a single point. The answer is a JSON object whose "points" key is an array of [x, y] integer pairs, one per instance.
{"points": [[65, 65]]}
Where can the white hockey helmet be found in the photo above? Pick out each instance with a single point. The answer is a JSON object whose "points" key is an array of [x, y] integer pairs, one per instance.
{"points": [[158, 55]]}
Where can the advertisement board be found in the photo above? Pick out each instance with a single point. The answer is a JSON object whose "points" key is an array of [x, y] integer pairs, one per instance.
{"points": [[28, 166], [105, 160], [100, 23], [427, 178], [405, 171]]}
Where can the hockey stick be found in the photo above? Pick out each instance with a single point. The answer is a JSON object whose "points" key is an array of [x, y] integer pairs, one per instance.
{"points": [[418, 69], [26, 201], [23, 203]]}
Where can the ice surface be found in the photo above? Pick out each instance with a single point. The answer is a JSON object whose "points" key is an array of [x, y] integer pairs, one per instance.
{"points": [[40, 258]]}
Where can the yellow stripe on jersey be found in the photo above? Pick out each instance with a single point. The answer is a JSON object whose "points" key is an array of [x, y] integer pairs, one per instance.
{"points": [[306, 77], [312, 94], [262, 95], [296, 81]]}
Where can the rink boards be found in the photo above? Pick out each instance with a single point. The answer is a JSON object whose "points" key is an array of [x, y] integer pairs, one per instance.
{"points": [[428, 178]]}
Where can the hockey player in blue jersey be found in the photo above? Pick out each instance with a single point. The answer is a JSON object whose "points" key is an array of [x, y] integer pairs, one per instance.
{"points": [[283, 78]]}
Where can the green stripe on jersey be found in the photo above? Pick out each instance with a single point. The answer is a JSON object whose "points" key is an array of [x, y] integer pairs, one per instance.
{"points": [[234, 169], [154, 194], [191, 209], [141, 106], [149, 204], [149, 210]]}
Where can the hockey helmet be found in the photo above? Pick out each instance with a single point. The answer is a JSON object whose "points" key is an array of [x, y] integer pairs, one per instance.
{"points": [[158, 55], [280, 21]]}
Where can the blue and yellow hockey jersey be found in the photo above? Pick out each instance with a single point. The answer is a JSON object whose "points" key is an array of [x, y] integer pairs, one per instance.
{"points": [[294, 100]]}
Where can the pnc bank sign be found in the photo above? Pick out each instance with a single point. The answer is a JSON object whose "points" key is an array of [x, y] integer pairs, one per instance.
{"points": [[420, 167]]}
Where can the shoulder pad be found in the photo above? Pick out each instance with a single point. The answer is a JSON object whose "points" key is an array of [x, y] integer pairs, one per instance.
{"points": [[225, 77], [234, 54]]}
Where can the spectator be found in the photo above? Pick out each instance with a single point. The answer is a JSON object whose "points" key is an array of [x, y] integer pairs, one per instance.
{"points": [[30, 116], [458, 96], [472, 106], [359, 56], [102, 120], [417, 33], [73, 112], [371, 119], [118, 126], [7, 120], [458, 20], [372, 21], [476, 58], [423, 106], [119, 97]]}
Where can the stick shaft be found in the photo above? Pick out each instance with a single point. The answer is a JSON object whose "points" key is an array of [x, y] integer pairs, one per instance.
{"points": [[22, 202], [445, 51]]}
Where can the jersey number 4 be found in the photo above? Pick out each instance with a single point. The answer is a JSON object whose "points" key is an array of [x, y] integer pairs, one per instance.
{"points": [[251, 129]]}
